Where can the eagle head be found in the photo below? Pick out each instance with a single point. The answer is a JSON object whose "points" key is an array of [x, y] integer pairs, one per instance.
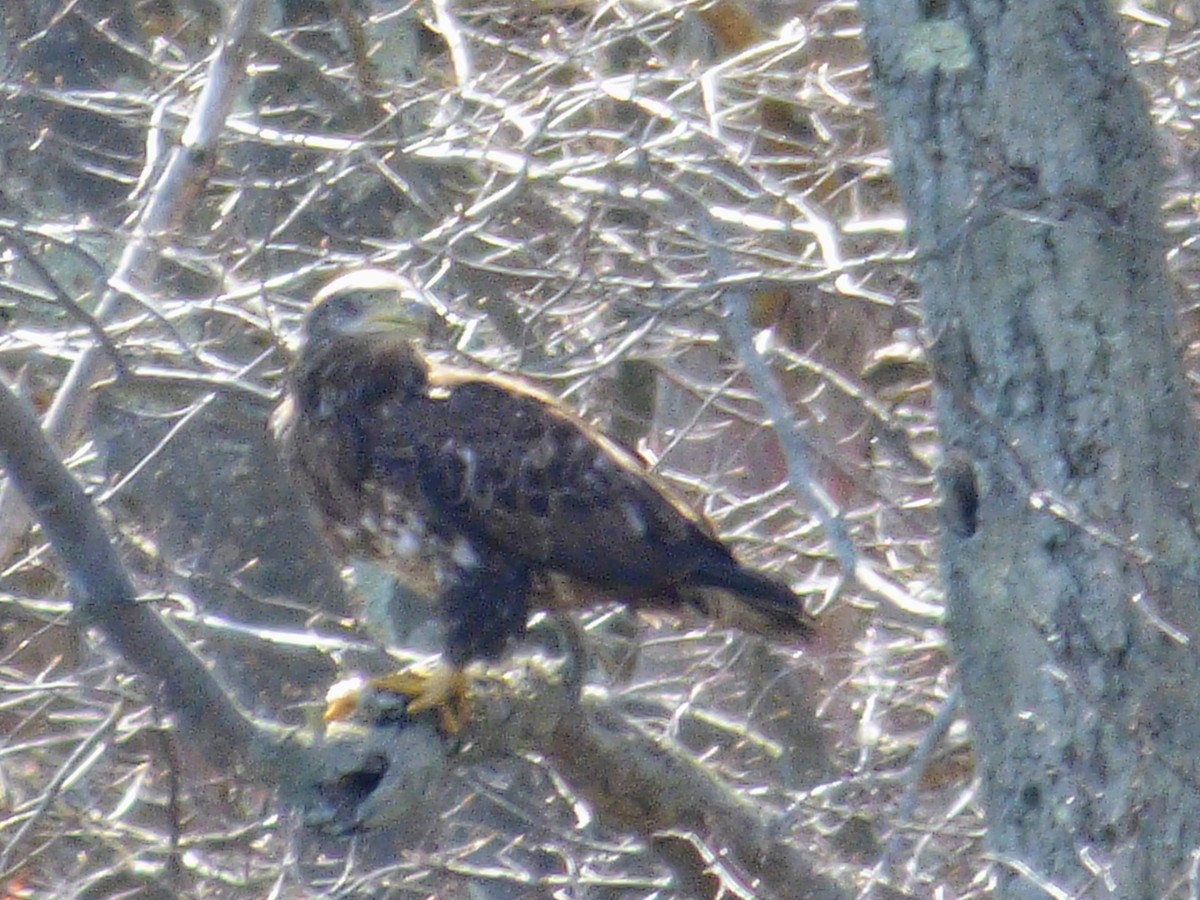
{"points": [[369, 303]]}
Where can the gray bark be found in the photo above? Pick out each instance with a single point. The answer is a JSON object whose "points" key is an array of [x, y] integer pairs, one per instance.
{"points": [[1025, 156]]}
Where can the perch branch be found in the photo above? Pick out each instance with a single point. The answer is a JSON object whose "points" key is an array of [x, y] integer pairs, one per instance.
{"points": [[635, 781]]}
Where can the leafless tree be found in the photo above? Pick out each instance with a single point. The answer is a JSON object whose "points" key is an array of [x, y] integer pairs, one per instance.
{"points": [[678, 217]]}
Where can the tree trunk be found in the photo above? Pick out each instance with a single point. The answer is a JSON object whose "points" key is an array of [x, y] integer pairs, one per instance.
{"points": [[1070, 555]]}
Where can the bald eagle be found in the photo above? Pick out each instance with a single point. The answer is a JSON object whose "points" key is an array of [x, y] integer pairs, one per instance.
{"points": [[485, 493]]}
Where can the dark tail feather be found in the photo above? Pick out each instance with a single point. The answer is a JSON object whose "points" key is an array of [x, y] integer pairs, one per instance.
{"points": [[767, 604]]}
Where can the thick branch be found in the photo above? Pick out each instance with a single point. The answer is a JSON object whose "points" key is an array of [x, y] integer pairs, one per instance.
{"points": [[103, 597]]}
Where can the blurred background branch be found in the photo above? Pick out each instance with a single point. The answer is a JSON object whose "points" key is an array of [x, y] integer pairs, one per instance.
{"points": [[175, 190]]}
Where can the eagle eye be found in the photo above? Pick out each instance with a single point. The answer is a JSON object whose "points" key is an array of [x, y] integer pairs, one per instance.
{"points": [[338, 314], [347, 308]]}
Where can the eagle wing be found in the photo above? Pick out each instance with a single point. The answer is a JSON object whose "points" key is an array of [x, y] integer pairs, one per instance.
{"points": [[500, 462]]}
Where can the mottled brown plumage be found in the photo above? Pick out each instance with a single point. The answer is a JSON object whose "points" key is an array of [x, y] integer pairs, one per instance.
{"points": [[486, 493]]}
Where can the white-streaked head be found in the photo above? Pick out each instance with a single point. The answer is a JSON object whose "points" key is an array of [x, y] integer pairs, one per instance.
{"points": [[368, 302]]}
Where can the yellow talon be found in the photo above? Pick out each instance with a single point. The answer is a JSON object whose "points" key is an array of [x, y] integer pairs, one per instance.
{"points": [[444, 688], [343, 699]]}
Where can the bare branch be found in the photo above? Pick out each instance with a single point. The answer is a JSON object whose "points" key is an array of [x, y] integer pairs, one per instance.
{"points": [[66, 301], [647, 785]]}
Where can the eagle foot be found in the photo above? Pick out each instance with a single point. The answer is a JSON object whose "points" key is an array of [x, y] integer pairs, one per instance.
{"points": [[441, 687]]}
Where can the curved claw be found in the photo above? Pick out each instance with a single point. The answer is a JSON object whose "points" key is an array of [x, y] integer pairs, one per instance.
{"points": [[444, 688]]}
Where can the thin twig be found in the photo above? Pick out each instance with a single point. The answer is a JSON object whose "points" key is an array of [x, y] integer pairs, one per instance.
{"points": [[63, 299], [918, 766], [65, 772]]}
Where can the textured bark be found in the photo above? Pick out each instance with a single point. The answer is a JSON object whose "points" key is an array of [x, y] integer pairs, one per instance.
{"points": [[1070, 554]]}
